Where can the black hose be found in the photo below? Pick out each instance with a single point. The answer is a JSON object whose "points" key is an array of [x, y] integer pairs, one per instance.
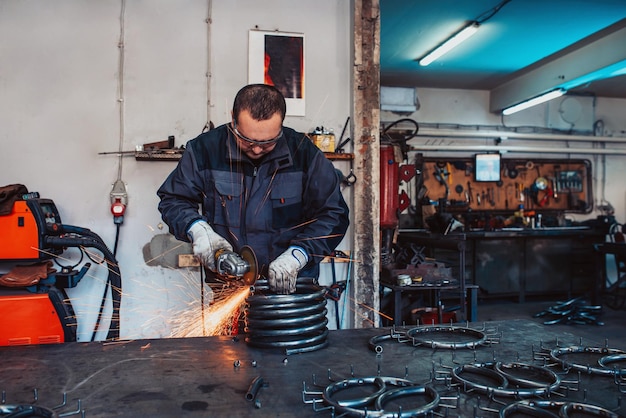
{"points": [[117, 239], [253, 390], [90, 239]]}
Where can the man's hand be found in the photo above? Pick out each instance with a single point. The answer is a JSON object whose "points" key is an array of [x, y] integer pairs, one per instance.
{"points": [[283, 271], [206, 242]]}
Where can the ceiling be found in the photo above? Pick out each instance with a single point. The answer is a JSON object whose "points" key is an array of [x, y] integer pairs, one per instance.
{"points": [[525, 48]]}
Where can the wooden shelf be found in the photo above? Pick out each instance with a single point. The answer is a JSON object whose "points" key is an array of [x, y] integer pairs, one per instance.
{"points": [[176, 154], [339, 156], [159, 155]]}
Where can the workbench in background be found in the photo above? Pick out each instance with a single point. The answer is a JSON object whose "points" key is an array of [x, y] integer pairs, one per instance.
{"points": [[211, 376], [518, 263], [464, 308], [432, 292]]}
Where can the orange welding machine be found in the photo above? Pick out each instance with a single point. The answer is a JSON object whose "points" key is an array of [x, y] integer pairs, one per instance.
{"points": [[34, 307]]}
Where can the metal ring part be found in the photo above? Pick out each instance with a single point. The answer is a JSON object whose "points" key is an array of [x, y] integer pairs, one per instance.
{"points": [[512, 372], [502, 388], [482, 370], [314, 319], [286, 309], [26, 410], [586, 409], [309, 346], [358, 406], [539, 409], [556, 354], [295, 322], [613, 358], [302, 327], [336, 387], [303, 293], [431, 394], [479, 337], [263, 284]]}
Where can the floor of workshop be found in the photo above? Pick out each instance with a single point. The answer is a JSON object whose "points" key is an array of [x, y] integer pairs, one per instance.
{"points": [[613, 321]]}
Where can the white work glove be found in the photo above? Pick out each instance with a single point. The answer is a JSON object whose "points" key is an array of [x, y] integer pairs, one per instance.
{"points": [[205, 242], [283, 271]]}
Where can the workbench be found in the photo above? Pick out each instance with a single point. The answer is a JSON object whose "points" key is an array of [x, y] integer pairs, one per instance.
{"points": [[210, 376], [518, 262], [468, 300]]}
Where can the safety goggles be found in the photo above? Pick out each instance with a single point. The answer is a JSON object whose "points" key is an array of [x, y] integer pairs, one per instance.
{"points": [[256, 143]]}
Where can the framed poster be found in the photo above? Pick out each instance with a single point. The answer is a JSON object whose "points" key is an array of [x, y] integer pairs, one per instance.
{"points": [[277, 58]]}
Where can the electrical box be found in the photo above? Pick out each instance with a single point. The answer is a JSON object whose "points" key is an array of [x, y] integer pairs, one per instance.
{"points": [[572, 113], [399, 99]]}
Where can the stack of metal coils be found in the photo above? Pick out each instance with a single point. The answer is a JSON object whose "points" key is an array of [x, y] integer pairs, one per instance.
{"points": [[295, 323]]}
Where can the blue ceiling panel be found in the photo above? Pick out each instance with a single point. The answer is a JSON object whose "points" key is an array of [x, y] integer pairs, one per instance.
{"points": [[518, 36]]}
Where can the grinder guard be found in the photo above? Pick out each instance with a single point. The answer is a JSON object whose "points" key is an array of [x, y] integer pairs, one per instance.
{"points": [[238, 266]]}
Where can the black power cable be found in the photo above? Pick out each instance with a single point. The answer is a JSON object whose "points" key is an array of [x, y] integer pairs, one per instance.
{"points": [[83, 237], [491, 12]]}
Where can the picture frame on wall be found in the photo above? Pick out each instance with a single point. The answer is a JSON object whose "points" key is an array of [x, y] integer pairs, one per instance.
{"points": [[277, 58]]}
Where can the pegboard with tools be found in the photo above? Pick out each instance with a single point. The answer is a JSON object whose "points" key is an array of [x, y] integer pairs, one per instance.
{"points": [[539, 184]]}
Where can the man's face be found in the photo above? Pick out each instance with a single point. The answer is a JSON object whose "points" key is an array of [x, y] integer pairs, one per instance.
{"points": [[257, 138]]}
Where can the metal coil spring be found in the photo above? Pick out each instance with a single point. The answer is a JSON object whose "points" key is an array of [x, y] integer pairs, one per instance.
{"points": [[295, 322]]}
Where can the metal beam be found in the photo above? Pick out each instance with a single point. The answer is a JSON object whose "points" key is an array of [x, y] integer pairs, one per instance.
{"points": [[366, 209], [601, 50], [460, 133]]}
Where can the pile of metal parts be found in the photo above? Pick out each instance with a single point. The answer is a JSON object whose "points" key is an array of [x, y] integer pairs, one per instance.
{"points": [[34, 409], [296, 323], [573, 311], [547, 385]]}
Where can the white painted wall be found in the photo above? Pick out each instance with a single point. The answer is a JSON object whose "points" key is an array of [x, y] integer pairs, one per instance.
{"points": [[59, 108]]}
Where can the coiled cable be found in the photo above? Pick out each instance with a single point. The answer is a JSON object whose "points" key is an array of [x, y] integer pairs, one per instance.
{"points": [[295, 322]]}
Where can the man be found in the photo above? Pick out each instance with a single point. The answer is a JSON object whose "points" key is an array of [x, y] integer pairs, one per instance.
{"points": [[259, 184]]}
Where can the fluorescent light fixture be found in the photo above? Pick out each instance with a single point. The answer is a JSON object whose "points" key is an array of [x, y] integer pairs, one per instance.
{"points": [[452, 42], [613, 70], [534, 101]]}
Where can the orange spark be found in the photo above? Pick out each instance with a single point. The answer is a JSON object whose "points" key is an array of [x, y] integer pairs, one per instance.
{"points": [[372, 309], [218, 317], [321, 237]]}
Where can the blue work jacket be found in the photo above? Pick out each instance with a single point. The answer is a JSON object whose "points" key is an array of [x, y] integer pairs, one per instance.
{"points": [[291, 197]]}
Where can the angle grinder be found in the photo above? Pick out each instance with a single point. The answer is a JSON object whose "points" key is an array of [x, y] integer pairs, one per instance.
{"points": [[238, 266]]}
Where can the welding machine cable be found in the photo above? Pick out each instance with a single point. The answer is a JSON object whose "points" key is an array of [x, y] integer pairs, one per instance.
{"points": [[114, 280]]}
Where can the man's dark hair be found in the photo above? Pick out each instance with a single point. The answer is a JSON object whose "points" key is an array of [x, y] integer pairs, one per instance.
{"points": [[261, 100]]}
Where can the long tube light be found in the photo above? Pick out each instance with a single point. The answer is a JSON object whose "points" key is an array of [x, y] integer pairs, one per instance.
{"points": [[553, 94], [521, 149], [451, 43]]}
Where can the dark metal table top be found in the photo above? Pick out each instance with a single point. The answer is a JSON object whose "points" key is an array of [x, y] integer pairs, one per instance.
{"points": [[210, 376]]}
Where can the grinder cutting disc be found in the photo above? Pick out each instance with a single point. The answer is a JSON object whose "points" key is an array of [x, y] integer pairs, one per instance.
{"points": [[248, 255]]}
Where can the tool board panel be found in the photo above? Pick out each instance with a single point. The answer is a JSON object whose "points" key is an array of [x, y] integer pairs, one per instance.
{"points": [[538, 184]]}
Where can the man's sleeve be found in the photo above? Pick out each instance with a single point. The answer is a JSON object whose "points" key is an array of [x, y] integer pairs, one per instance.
{"points": [[180, 196], [325, 205]]}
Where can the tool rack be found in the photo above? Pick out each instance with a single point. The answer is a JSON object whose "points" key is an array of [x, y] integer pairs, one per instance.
{"points": [[518, 240], [546, 185]]}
